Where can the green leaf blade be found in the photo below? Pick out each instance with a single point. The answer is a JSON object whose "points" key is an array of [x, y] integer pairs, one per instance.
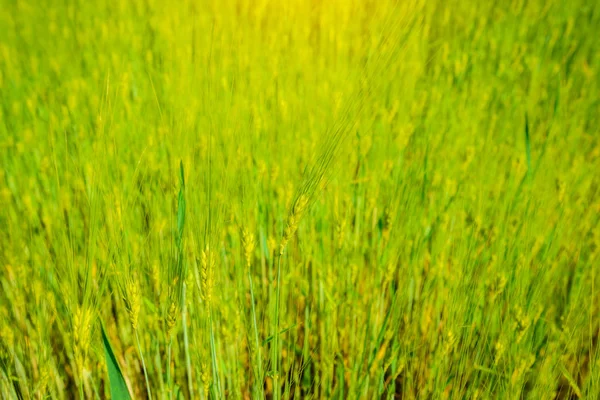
{"points": [[118, 387], [181, 209]]}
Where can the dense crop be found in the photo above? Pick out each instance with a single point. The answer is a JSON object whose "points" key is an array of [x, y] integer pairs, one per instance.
{"points": [[325, 199]]}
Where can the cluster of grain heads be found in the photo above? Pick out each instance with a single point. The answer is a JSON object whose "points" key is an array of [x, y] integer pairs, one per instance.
{"points": [[313, 182], [320, 169], [81, 287], [311, 284], [209, 375]]}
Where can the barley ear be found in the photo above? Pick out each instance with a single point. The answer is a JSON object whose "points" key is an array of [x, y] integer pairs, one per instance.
{"points": [[206, 273], [82, 326], [298, 209], [248, 244], [171, 319], [205, 376], [133, 301]]}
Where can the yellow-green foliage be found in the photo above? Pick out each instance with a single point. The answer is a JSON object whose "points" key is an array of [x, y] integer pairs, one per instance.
{"points": [[425, 173]]}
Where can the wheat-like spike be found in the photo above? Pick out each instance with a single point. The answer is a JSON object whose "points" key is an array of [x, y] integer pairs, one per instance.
{"points": [[44, 378], [206, 273], [82, 321], [296, 212], [205, 376], [248, 244], [171, 318], [133, 300], [388, 221]]}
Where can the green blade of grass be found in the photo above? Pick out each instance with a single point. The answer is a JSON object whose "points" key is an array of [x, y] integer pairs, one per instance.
{"points": [[571, 381], [527, 145], [181, 208], [268, 339], [118, 387]]}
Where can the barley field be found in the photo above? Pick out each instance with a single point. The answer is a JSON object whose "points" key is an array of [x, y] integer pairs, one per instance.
{"points": [[321, 199]]}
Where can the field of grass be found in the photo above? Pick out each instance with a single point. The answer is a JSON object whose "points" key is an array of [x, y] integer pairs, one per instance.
{"points": [[328, 199]]}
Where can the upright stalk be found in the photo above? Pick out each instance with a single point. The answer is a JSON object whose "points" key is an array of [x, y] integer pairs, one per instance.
{"points": [[275, 347], [259, 379], [169, 382], [213, 352], [81, 396], [188, 362], [137, 340]]}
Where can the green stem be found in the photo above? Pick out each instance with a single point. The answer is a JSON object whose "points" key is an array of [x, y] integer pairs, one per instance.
{"points": [[275, 348], [188, 362], [159, 367], [81, 396], [169, 383], [137, 340], [213, 352], [259, 378]]}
